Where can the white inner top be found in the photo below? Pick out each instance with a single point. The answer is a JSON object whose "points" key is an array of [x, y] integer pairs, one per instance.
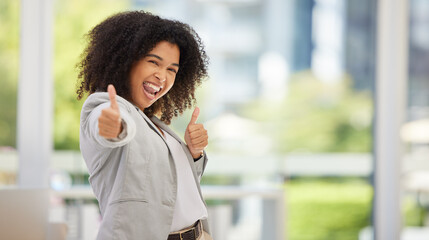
{"points": [[189, 205]]}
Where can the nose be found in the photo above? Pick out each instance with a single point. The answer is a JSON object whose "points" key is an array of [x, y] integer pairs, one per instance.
{"points": [[161, 75]]}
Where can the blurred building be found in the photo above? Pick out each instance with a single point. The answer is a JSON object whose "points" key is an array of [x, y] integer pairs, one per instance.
{"points": [[418, 85], [239, 34]]}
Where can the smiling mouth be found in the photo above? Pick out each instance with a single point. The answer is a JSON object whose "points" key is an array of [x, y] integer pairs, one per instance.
{"points": [[151, 90]]}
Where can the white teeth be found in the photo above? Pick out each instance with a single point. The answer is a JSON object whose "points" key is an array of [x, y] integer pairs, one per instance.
{"points": [[153, 86]]}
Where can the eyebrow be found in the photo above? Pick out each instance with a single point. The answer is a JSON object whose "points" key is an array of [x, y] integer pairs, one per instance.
{"points": [[161, 59]]}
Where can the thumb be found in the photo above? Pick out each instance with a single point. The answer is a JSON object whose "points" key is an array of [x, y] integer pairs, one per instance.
{"points": [[195, 115], [112, 96]]}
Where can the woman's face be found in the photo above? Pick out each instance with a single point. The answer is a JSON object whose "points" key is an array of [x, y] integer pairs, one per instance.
{"points": [[154, 75]]}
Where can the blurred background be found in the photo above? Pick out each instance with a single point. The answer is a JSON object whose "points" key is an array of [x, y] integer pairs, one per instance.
{"points": [[289, 107]]}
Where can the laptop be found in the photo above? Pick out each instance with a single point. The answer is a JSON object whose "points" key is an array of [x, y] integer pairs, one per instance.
{"points": [[24, 213]]}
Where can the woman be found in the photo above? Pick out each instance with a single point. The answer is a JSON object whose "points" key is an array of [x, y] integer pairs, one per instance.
{"points": [[144, 176]]}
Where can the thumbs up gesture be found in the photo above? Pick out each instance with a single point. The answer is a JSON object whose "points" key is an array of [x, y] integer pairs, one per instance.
{"points": [[109, 122], [196, 136]]}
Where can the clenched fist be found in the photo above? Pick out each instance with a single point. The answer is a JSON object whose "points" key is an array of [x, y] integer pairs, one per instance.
{"points": [[196, 136], [109, 122]]}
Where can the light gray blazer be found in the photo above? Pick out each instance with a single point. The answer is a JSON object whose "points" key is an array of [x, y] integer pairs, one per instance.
{"points": [[134, 179]]}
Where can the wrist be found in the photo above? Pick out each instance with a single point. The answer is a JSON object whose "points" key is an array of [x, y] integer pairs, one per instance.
{"points": [[198, 155]]}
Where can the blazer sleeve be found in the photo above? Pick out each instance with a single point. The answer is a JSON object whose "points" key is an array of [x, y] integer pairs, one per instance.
{"points": [[200, 165], [91, 111]]}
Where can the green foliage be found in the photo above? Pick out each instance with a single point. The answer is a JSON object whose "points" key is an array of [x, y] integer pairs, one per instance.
{"points": [[9, 58], [73, 19], [336, 208], [318, 117], [413, 214], [327, 209]]}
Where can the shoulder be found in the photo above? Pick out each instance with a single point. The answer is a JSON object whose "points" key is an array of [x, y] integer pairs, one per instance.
{"points": [[100, 98]]}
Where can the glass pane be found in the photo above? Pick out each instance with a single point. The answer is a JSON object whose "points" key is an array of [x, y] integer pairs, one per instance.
{"points": [[328, 115], [415, 168], [9, 59]]}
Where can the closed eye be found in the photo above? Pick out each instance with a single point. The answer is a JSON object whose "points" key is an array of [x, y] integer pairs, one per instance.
{"points": [[172, 70], [154, 62]]}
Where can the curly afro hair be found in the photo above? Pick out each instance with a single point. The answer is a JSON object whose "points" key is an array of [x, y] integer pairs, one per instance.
{"points": [[123, 39]]}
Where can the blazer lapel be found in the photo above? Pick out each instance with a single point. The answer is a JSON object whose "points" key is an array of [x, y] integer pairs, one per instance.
{"points": [[151, 124], [154, 120], [164, 127]]}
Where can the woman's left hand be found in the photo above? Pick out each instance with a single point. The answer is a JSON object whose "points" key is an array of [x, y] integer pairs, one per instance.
{"points": [[196, 136]]}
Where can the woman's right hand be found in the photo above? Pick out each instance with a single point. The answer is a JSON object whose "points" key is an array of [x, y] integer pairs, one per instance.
{"points": [[110, 122]]}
